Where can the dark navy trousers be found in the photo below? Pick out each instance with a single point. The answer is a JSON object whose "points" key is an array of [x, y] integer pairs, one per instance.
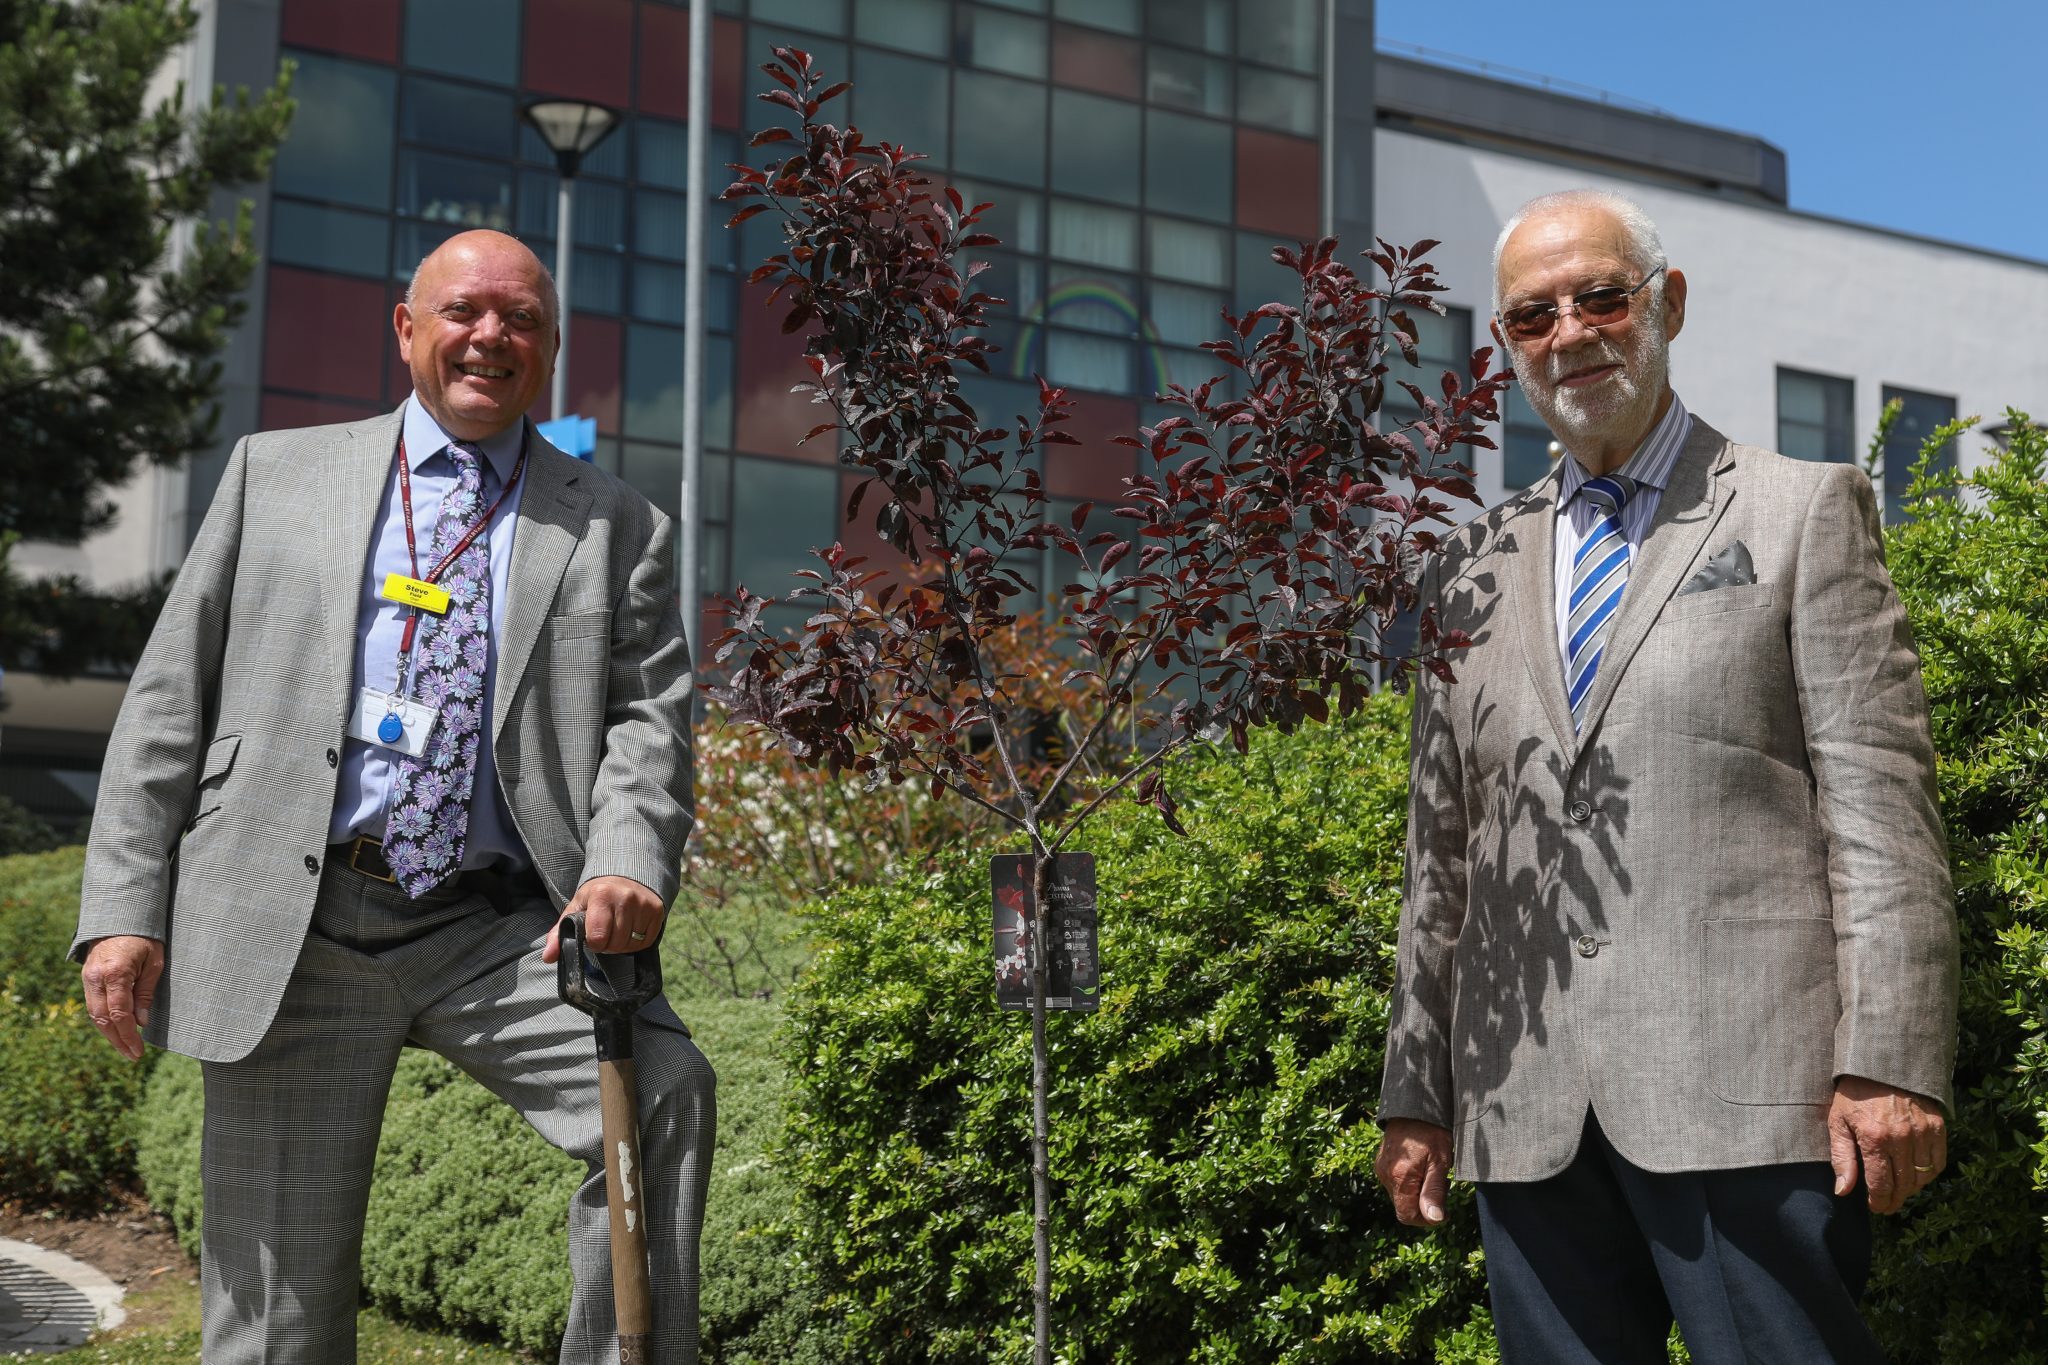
{"points": [[1592, 1266]]}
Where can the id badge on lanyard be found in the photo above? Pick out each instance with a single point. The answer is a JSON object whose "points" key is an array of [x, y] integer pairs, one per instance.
{"points": [[396, 720]]}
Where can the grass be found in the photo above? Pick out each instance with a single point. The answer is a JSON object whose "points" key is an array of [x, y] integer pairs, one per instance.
{"points": [[163, 1326]]}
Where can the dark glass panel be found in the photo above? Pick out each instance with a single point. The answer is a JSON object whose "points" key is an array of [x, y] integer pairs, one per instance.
{"points": [[474, 38], [1017, 217], [1095, 233], [459, 117], [339, 146], [1094, 146], [916, 25], [901, 100], [1275, 99], [998, 127], [1205, 24], [1188, 80], [1280, 33], [1122, 16], [1185, 316], [1188, 165], [817, 16], [1002, 42], [1087, 361], [1920, 414], [1194, 252], [1816, 416], [781, 513], [329, 239], [454, 191]]}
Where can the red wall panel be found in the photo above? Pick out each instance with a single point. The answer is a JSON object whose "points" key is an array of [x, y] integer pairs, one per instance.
{"points": [[581, 48], [1279, 184], [360, 28], [324, 334], [665, 66], [281, 411], [767, 418], [1096, 468], [595, 347], [1100, 62]]}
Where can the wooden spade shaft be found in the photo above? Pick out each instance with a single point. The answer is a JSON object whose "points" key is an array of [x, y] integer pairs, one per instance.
{"points": [[625, 1187]]}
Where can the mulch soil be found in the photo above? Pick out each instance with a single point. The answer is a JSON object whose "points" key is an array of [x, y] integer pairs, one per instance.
{"points": [[126, 1240]]}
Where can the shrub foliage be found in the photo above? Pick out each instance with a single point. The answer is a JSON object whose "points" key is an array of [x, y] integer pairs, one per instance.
{"points": [[66, 1099], [1217, 1200], [1960, 1277]]}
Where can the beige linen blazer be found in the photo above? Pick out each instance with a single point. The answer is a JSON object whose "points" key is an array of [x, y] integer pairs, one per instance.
{"points": [[1731, 889], [210, 828]]}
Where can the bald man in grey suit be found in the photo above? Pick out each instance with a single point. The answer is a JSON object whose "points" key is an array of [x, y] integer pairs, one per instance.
{"points": [[341, 815], [1677, 964]]}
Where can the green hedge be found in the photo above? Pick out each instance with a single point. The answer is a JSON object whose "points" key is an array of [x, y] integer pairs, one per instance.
{"points": [[67, 1099], [466, 1225], [1212, 1138], [1961, 1276]]}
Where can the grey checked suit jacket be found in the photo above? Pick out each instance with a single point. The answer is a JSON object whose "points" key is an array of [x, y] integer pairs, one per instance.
{"points": [[210, 828], [1730, 890]]}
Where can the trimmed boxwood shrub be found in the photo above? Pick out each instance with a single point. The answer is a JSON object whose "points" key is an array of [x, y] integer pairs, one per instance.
{"points": [[67, 1100], [466, 1225], [1212, 1139]]}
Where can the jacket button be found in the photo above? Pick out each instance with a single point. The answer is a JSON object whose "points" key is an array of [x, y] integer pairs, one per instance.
{"points": [[333, 758], [1582, 811], [312, 865], [1588, 945]]}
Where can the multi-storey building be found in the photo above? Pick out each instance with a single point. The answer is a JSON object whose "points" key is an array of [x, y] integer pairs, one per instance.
{"points": [[1144, 156]]}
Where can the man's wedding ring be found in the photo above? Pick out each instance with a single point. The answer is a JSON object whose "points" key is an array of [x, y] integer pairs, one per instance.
{"points": [[1918, 1167], [639, 937]]}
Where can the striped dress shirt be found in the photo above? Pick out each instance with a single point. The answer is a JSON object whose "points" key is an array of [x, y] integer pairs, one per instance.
{"points": [[1650, 468]]}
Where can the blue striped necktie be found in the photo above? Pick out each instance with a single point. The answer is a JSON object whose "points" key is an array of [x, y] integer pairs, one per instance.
{"points": [[1599, 573]]}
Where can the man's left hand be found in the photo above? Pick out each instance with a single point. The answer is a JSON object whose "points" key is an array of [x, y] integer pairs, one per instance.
{"points": [[619, 916], [1897, 1138]]}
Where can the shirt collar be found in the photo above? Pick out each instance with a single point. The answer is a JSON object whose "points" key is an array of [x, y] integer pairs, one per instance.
{"points": [[424, 439], [1650, 465]]}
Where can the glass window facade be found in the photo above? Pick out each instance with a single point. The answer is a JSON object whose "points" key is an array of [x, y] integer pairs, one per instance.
{"points": [[1107, 133], [1816, 416]]}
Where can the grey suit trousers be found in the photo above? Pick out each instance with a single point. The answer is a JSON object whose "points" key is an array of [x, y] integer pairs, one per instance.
{"points": [[291, 1130]]}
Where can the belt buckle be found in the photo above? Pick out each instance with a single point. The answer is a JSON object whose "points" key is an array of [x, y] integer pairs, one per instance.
{"points": [[380, 870]]}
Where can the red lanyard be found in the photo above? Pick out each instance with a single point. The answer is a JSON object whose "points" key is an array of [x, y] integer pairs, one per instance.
{"points": [[412, 549]]}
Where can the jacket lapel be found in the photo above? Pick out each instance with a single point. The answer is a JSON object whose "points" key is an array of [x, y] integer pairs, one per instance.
{"points": [[351, 488], [1533, 602], [553, 513], [1692, 502]]}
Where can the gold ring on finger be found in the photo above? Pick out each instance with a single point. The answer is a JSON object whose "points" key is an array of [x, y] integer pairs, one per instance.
{"points": [[1918, 1167], [639, 937]]}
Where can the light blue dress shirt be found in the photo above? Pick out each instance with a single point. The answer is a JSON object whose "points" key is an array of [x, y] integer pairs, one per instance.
{"points": [[1650, 466], [368, 771]]}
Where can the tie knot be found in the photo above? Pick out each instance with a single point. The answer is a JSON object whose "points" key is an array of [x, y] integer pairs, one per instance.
{"points": [[465, 456], [1610, 491]]}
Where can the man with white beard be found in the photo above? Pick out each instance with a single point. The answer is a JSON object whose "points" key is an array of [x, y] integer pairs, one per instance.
{"points": [[1677, 961]]}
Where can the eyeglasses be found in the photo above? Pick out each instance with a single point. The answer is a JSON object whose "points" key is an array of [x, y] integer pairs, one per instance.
{"points": [[1602, 307]]}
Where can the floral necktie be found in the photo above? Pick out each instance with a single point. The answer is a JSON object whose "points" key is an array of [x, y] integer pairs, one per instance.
{"points": [[428, 827]]}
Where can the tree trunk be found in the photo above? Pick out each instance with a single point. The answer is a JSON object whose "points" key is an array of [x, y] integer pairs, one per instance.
{"points": [[1041, 1077]]}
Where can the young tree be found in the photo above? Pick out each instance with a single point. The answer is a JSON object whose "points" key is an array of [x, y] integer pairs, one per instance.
{"points": [[108, 335], [1248, 579]]}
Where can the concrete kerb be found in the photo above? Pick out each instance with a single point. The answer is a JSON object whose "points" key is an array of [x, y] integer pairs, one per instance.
{"points": [[50, 1302]]}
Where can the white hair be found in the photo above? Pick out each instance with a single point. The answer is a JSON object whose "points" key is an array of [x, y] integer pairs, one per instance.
{"points": [[1645, 248]]}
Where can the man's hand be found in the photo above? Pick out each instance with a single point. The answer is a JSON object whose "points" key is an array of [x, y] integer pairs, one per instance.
{"points": [[1414, 1163], [120, 976], [1897, 1138], [619, 916]]}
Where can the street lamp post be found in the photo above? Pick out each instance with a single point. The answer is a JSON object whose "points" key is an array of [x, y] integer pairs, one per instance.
{"points": [[571, 128]]}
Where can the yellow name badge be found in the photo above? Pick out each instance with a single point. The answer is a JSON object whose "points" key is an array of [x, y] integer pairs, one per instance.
{"points": [[414, 592]]}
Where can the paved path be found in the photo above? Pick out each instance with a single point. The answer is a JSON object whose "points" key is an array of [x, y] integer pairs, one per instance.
{"points": [[49, 1302]]}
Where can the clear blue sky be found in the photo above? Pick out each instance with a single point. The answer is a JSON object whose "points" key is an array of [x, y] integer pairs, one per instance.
{"points": [[1930, 119]]}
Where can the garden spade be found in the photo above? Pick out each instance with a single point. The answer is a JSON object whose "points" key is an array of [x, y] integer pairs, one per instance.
{"points": [[611, 988]]}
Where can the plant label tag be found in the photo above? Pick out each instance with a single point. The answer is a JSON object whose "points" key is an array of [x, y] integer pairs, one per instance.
{"points": [[1074, 975], [391, 722], [414, 592]]}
